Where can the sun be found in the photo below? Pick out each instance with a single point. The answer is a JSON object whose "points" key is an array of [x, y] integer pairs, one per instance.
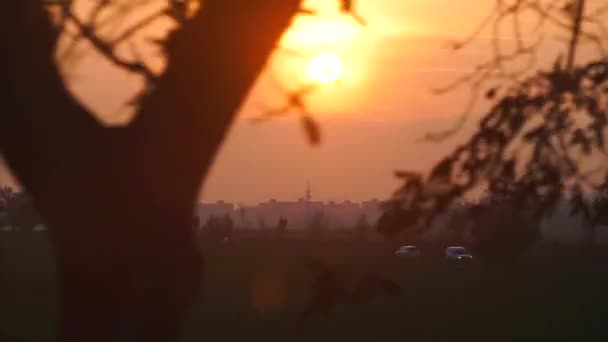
{"points": [[325, 68]]}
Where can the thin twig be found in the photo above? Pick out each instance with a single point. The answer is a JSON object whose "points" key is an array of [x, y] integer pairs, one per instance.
{"points": [[108, 50]]}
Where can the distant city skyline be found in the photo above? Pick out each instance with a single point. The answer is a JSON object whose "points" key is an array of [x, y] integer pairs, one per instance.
{"points": [[307, 195], [299, 213], [296, 200]]}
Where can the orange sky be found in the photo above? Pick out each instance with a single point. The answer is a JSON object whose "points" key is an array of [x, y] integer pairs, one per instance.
{"points": [[370, 121]]}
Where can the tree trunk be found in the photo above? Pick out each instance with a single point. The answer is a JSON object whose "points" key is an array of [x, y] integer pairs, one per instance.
{"points": [[130, 281], [120, 200], [128, 264], [590, 231]]}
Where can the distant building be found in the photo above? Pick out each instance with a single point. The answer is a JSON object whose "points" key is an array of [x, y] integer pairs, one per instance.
{"points": [[298, 213], [560, 227], [220, 208]]}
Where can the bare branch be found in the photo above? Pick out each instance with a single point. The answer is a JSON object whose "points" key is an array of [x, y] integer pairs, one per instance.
{"points": [[555, 98], [42, 127], [576, 30], [195, 100], [141, 24], [108, 50]]}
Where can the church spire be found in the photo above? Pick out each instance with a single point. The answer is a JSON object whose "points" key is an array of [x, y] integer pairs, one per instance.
{"points": [[308, 194]]}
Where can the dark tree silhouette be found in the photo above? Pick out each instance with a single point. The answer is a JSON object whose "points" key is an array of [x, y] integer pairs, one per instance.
{"points": [[334, 286], [348, 7], [18, 209], [504, 226], [218, 228], [281, 227], [594, 212], [330, 289], [6, 195], [261, 223], [120, 200], [196, 222], [317, 224], [227, 225], [362, 227], [545, 130], [21, 213]]}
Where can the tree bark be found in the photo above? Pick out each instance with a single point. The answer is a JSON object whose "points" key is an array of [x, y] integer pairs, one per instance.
{"points": [[120, 200]]}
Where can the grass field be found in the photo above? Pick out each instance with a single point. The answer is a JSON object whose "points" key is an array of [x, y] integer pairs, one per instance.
{"points": [[560, 298]]}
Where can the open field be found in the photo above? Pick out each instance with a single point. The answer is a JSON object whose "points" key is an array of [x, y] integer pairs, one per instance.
{"points": [[559, 298]]}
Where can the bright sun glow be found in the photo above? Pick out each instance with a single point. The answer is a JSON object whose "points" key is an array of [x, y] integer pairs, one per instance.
{"points": [[325, 68]]}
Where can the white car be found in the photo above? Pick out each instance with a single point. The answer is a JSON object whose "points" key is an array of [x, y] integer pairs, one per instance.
{"points": [[457, 253], [408, 251]]}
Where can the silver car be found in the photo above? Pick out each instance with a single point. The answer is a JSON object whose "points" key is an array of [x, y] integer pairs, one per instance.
{"points": [[457, 253], [408, 252]]}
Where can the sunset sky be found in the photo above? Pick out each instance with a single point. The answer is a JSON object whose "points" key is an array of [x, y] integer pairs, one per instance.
{"points": [[370, 120]]}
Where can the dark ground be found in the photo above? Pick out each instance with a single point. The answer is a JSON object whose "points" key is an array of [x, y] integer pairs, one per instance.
{"points": [[556, 299]]}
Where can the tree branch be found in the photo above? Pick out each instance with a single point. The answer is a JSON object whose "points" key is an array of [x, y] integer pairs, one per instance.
{"points": [[213, 62], [576, 32], [42, 127], [108, 50], [138, 26]]}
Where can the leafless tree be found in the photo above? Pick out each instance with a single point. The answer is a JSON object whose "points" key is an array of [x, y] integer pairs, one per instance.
{"points": [[120, 199], [544, 133]]}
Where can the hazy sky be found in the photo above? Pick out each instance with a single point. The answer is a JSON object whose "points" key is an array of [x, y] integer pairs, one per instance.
{"points": [[370, 120]]}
